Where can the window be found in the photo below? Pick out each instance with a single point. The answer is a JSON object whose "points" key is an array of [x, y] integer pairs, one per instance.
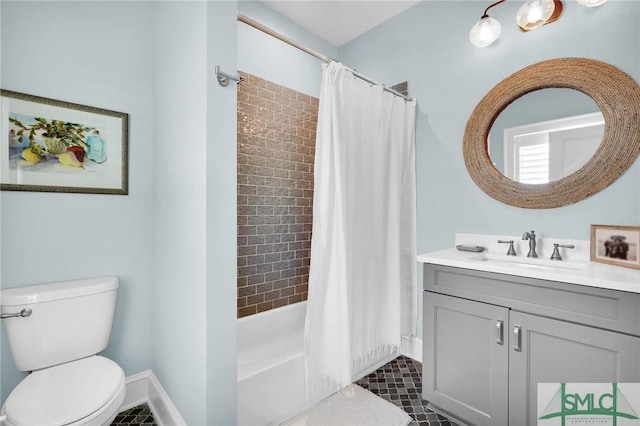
{"points": [[550, 150], [532, 156]]}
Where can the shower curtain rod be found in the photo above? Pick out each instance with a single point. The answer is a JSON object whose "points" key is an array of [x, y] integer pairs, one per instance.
{"points": [[257, 25]]}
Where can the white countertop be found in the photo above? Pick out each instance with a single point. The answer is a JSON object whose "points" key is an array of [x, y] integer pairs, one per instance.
{"points": [[593, 274]]}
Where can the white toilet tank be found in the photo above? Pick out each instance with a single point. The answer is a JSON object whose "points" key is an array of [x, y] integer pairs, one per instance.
{"points": [[69, 320]]}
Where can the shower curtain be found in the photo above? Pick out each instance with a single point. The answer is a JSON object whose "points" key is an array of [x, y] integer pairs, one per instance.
{"points": [[362, 282]]}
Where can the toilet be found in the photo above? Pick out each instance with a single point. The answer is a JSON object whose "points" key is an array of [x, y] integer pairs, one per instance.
{"points": [[55, 331]]}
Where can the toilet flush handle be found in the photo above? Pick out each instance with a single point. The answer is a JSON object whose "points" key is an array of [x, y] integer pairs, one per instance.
{"points": [[23, 313]]}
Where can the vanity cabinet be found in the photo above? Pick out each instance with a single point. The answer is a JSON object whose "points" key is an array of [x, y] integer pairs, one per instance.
{"points": [[464, 364], [553, 351], [490, 338]]}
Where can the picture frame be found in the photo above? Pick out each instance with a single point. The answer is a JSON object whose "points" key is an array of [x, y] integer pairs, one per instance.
{"points": [[47, 145], [616, 245]]}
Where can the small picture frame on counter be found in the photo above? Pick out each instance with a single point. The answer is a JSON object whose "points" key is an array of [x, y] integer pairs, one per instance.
{"points": [[616, 245]]}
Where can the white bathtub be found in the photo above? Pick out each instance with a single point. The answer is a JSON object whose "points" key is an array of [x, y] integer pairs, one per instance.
{"points": [[270, 366]]}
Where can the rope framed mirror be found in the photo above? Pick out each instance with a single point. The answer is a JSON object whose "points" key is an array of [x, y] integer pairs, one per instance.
{"points": [[616, 94]]}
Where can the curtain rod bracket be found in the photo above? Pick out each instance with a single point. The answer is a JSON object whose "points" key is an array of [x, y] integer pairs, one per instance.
{"points": [[223, 77]]}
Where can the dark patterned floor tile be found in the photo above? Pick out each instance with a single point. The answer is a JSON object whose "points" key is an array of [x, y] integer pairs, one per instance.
{"points": [[400, 382], [137, 416]]}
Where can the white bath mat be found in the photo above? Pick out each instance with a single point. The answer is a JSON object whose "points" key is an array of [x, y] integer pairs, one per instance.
{"points": [[352, 406]]}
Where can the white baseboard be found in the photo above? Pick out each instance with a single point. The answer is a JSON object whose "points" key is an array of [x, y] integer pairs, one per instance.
{"points": [[412, 347], [145, 388]]}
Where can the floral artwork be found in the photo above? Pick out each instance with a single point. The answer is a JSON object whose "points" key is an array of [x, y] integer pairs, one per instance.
{"points": [[54, 146], [33, 140]]}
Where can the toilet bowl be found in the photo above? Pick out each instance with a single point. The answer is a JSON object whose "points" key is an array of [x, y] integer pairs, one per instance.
{"points": [[58, 340]]}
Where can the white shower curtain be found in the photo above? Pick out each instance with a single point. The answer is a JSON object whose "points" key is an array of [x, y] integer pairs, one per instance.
{"points": [[362, 282]]}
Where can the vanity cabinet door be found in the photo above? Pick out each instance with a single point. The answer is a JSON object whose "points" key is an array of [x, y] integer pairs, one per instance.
{"points": [[465, 359], [553, 351]]}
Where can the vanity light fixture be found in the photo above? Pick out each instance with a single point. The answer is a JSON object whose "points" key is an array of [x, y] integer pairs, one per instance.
{"points": [[536, 13], [533, 14], [486, 30]]}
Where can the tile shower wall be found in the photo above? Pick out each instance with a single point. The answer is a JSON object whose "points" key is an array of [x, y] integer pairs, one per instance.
{"points": [[276, 147]]}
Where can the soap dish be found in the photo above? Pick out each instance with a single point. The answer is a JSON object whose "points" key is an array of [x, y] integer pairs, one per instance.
{"points": [[476, 249]]}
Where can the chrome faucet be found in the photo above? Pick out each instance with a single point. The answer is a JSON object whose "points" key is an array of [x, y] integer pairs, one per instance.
{"points": [[531, 236]]}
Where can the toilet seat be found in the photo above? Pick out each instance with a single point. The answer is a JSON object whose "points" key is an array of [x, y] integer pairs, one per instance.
{"points": [[75, 393]]}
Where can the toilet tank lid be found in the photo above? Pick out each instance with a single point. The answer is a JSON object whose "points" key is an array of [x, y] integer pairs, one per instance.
{"points": [[56, 291]]}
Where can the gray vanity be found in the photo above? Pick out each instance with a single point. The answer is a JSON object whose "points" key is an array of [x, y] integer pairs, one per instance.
{"points": [[491, 337]]}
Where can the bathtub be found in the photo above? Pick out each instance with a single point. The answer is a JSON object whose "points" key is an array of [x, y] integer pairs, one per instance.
{"points": [[270, 366], [271, 369]]}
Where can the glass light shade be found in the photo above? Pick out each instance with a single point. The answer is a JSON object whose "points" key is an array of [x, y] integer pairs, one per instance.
{"points": [[534, 14], [591, 3], [485, 32]]}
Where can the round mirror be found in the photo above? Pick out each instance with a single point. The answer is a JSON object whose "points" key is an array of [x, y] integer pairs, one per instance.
{"points": [[545, 135], [615, 94]]}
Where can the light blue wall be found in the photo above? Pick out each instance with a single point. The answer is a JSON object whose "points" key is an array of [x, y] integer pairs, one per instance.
{"points": [[276, 61], [221, 218], [171, 241], [179, 205], [428, 45], [194, 207], [95, 54]]}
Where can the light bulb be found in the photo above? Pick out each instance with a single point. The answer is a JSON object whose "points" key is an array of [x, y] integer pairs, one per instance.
{"points": [[534, 14], [485, 32], [591, 3]]}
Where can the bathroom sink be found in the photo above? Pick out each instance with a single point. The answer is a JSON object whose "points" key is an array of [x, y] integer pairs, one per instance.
{"points": [[528, 262]]}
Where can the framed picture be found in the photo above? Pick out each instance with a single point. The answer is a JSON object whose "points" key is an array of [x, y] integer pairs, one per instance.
{"points": [[615, 245], [54, 146]]}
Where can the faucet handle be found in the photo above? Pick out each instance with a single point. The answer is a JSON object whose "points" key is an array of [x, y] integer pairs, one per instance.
{"points": [[511, 251], [556, 252]]}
